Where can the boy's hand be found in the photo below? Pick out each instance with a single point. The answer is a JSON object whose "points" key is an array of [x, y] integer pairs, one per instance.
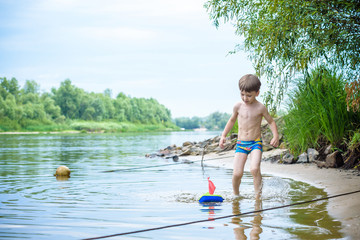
{"points": [[222, 142], [274, 142]]}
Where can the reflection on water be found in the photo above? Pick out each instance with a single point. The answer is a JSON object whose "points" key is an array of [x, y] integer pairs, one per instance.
{"points": [[36, 205], [313, 215], [62, 178], [255, 223]]}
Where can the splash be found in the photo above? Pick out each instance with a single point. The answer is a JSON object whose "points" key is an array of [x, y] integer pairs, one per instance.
{"points": [[275, 188], [187, 197]]}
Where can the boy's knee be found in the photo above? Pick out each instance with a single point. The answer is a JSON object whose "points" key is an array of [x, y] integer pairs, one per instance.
{"points": [[237, 175], [255, 171]]}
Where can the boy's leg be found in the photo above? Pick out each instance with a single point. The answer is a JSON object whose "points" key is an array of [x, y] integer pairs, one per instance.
{"points": [[255, 171], [238, 171]]}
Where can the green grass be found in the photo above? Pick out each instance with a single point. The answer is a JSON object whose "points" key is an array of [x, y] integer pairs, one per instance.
{"points": [[27, 125], [354, 140], [112, 126], [317, 112]]}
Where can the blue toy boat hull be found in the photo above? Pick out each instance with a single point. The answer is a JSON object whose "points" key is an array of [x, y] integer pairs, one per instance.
{"points": [[210, 198]]}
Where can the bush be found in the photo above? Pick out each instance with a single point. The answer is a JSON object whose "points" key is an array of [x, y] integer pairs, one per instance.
{"points": [[317, 111], [7, 124]]}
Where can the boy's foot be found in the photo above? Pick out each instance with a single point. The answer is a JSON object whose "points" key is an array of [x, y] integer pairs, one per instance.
{"points": [[235, 197]]}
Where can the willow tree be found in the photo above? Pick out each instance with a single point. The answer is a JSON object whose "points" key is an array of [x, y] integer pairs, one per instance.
{"points": [[285, 37]]}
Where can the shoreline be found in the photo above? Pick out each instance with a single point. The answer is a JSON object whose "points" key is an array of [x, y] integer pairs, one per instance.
{"points": [[37, 132], [334, 181]]}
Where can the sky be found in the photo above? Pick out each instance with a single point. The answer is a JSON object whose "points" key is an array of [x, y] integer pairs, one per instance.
{"points": [[163, 49]]}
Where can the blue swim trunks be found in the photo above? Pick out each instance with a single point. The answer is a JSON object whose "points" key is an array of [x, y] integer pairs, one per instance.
{"points": [[248, 146]]}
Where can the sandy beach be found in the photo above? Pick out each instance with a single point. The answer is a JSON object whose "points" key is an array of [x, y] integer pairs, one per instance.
{"points": [[334, 181]]}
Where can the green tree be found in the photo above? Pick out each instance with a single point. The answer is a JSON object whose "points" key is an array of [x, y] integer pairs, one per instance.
{"points": [[122, 107], [216, 120], [68, 98], [9, 87], [99, 108], [108, 93], [26, 109], [30, 92], [109, 109], [52, 110], [85, 103], [89, 113], [188, 123], [31, 87], [288, 37], [10, 107]]}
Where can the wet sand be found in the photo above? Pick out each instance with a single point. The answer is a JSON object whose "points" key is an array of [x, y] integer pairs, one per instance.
{"points": [[334, 181]]}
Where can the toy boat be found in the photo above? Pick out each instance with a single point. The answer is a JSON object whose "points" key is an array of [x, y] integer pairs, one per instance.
{"points": [[207, 197], [210, 196]]}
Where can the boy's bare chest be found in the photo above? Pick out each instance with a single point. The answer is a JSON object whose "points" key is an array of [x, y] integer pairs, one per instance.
{"points": [[248, 114]]}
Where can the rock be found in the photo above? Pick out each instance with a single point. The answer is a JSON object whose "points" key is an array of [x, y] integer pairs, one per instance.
{"points": [[283, 145], [185, 148], [229, 145], [267, 147], [62, 171], [303, 158], [328, 150], [288, 159], [212, 147], [202, 144], [275, 156], [233, 136], [334, 160], [174, 157], [185, 151], [163, 152], [195, 151], [312, 154], [187, 143], [191, 150], [152, 155], [273, 159], [320, 164]]}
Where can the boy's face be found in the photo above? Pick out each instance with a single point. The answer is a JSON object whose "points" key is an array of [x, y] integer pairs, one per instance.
{"points": [[249, 97]]}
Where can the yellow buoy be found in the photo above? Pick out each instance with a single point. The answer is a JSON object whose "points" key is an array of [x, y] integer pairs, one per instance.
{"points": [[62, 171]]}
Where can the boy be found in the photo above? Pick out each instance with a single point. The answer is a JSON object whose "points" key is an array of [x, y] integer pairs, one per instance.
{"points": [[249, 114]]}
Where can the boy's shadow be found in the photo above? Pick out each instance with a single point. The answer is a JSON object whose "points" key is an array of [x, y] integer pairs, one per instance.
{"points": [[256, 222]]}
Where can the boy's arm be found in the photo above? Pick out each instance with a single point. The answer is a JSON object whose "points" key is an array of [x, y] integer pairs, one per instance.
{"points": [[275, 140], [229, 126]]}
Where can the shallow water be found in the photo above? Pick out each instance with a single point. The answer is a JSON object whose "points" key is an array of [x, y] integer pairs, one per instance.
{"points": [[93, 203]]}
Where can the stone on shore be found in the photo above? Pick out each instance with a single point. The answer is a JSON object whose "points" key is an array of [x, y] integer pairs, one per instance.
{"points": [[334, 160], [312, 154], [303, 158], [288, 159]]}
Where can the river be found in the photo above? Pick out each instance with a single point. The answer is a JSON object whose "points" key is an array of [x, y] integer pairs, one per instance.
{"points": [[94, 202]]}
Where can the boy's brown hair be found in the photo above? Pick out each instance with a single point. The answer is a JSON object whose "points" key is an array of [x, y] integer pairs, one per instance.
{"points": [[249, 83]]}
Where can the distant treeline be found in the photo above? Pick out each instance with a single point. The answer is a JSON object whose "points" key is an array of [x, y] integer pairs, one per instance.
{"points": [[215, 121], [21, 107]]}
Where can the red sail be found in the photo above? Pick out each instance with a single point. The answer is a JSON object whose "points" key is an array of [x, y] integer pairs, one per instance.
{"points": [[211, 187]]}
